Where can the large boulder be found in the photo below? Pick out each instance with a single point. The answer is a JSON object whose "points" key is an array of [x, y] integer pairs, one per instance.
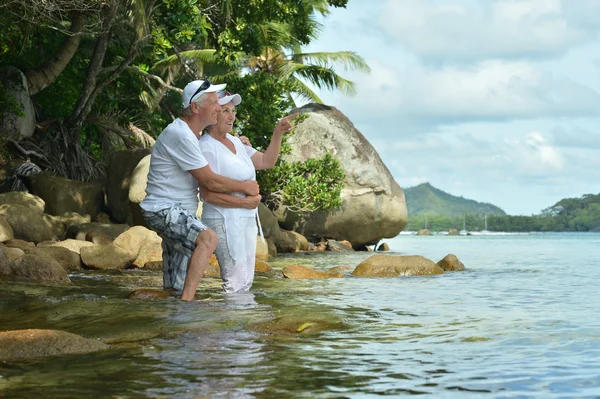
{"points": [[25, 199], [17, 120], [373, 203], [27, 224], [283, 241], [103, 257], [69, 260], [395, 266], [63, 195], [118, 181], [85, 230], [6, 232], [70, 244], [22, 344], [32, 267], [145, 243]]}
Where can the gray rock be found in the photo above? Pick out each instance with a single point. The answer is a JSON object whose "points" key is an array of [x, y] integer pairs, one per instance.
{"points": [[37, 267], [334, 246], [22, 198], [63, 195], [81, 231], [102, 257], [373, 203], [69, 260], [14, 85], [118, 181], [6, 232], [27, 225]]}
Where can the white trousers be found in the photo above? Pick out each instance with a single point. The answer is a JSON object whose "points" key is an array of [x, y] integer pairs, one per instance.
{"points": [[236, 251]]}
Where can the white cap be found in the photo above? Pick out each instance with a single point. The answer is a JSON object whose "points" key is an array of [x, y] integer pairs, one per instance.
{"points": [[191, 90], [225, 97]]}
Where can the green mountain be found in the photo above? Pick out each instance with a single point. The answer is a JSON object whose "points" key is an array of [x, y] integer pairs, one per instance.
{"points": [[425, 199]]}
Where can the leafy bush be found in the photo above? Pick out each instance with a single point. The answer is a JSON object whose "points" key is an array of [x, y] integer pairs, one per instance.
{"points": [[314, 185]]}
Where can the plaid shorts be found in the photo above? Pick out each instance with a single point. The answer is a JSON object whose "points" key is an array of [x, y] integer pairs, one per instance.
{"points": [[179, 230]]}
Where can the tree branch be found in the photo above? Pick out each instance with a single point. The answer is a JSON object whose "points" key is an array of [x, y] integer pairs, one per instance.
{"points": [[155, 78]]}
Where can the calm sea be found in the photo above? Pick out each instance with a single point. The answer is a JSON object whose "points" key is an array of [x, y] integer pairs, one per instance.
{"points": [[521, 322]]}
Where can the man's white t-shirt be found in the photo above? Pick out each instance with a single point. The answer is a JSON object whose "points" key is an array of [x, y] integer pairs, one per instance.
{"points": [[175, 153], [236, 166]]}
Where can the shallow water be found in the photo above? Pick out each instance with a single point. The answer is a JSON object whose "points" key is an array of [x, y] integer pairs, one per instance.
{"points": [[522, 321]]}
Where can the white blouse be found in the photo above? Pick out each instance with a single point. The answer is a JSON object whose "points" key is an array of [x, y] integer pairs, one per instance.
{"points": [[236, 166]]}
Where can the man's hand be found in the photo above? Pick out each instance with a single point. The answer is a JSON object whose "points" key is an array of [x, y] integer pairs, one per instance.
{"points": [[251, 188], [253, 201], [285, 124]]}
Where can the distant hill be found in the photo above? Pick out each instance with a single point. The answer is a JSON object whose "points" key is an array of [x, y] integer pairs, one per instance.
{"points": [[425, 199]]}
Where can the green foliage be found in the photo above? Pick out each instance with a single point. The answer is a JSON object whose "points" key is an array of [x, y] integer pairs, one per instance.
{"points": [[314, 185], [570, 214], [185, 40], [425, 199]]}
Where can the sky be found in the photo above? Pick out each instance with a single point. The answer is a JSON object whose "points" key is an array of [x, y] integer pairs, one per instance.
{"points": [[493, 100]]}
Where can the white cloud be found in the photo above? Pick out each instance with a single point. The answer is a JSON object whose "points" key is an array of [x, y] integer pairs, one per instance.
{"points": [[485, 91], [459, 31]]}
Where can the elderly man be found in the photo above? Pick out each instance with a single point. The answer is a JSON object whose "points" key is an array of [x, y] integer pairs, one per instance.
{"points": [[177, 167]]}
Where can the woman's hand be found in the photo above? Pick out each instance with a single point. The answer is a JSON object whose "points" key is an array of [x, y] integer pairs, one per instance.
{"points": [[285, 124]]}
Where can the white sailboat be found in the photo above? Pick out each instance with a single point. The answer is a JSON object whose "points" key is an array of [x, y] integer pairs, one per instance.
{"points": [[464, 231], [485, 230]]}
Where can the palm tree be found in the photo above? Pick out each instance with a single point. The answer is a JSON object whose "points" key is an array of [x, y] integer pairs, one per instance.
{"points": [[282, 56]]}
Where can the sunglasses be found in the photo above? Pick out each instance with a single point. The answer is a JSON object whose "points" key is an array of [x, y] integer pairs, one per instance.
{"points": [[223, 94], [205, 85]]}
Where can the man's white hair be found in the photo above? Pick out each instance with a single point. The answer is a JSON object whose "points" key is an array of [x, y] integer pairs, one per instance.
{"points": [[199, 100]]}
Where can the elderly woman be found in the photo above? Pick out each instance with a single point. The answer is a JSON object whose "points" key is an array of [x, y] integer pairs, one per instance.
{"points": [[235, 227]]}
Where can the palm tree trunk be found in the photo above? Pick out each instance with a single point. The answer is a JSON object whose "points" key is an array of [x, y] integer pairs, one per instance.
{"points": [[39, 79]]}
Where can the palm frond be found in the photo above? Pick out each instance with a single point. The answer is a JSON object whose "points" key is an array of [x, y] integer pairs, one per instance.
{"points": [[303, 91], [138, 13], [198, 55], [277, 35], [349, 60], [321, 77]]}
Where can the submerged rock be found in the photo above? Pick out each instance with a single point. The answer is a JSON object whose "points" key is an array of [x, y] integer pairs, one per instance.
{"points": [[394, 266], [298, 272], [146, 294], [262, 266], [23, 344], [451, 263]]}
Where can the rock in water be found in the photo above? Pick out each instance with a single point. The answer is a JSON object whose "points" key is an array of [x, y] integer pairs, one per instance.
{"points": [[373, 203], [22, 344]]}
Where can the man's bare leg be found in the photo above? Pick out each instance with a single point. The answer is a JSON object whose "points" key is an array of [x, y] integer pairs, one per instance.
{"points": [[205, 246]]}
